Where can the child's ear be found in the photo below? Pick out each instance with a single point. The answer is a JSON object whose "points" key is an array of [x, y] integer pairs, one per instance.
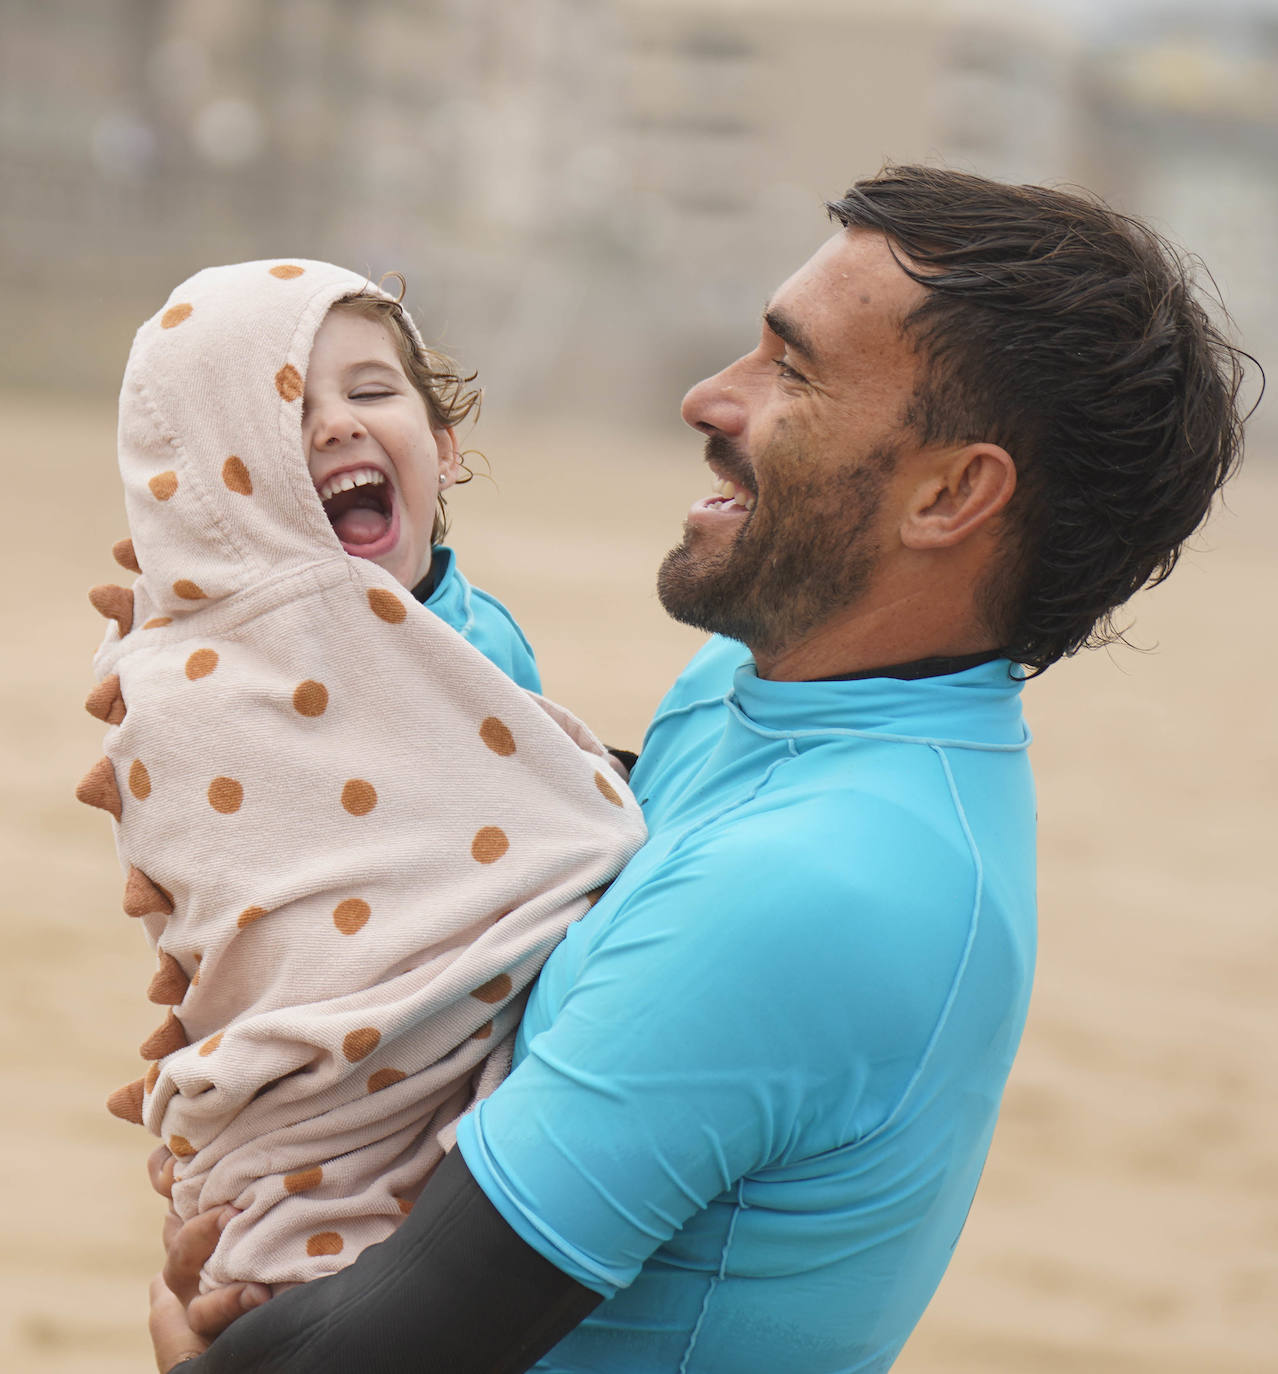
{"points": [[449, 456]]}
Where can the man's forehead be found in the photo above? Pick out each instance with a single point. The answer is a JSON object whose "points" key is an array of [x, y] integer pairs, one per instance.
{"points": [[852, 288]]}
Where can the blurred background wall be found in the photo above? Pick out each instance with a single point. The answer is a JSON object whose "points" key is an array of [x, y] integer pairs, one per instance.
{"points": [[589, 198]]}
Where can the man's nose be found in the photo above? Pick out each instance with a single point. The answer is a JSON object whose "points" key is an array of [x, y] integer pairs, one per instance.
{"points": [[718, 403]]}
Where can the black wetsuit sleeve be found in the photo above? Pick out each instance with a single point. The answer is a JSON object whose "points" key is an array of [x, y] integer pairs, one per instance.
{"points": [[624, 757], [454, 1290]]}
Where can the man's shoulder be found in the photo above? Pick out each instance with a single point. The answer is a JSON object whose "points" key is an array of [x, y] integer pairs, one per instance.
{"points": [[824, 832]]}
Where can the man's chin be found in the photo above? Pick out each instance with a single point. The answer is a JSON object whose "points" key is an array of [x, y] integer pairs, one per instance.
{"points": [[680, 584], [704, 593]]}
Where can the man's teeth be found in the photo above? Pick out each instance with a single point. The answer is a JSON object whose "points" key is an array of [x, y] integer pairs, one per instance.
{"points": [[722, 487], [347, 481]]}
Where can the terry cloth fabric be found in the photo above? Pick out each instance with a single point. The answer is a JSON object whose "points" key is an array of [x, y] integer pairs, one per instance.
{"points": [[351, 838]]}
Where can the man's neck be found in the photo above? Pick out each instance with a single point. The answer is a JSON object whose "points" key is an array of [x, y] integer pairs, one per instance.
{"points": [[864, 642]]}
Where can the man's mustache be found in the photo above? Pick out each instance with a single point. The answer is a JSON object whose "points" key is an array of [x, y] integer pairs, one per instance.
{"points": [[724, 456]]}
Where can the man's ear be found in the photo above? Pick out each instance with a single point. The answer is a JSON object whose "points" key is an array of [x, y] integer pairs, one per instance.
{"points": [[449, 456], [961, 494]]}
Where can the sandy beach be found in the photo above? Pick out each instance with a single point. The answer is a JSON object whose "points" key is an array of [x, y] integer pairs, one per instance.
{"points": [[1128, 1219]]}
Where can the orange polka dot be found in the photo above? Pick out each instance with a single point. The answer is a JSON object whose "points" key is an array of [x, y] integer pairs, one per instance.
{"points": [[163, 485], [226, 795], [384, 1078], [483, 1032], [123, 553], [286, 271], [489, 845], [201, 663], [607, 790], [386, 605], [152, 1077], [595, 893], [249, 915], [495, 989], [359, 1044], [175, 314], [359, 797], [310, 698], [188, 590], [288, 382], [139, 780], [304, 1180], [211, 1044], [496, 735], [181, 1146], [324, 1243], [195, 977], [158, 621], [235, 476], [351, 915], [405, 1204]]}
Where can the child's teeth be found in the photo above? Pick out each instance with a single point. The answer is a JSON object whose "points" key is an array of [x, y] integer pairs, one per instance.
{"points": [[361, 477]]}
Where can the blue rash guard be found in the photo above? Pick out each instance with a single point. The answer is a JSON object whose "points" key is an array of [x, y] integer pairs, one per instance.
{"points": [[755, 1085], [480, 619]]}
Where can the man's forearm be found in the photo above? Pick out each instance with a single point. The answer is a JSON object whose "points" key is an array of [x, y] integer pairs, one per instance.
{"points": [[454, 1290]]}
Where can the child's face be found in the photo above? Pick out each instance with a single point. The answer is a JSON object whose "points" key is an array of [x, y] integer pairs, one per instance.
{"points": [[375, 460]]}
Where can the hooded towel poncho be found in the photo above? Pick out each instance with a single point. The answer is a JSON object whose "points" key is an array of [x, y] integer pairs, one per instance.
{"points": [[352, 840]]}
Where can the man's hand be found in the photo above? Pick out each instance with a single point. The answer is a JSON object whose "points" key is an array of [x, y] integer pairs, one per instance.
{"points": [[183, 1321]]}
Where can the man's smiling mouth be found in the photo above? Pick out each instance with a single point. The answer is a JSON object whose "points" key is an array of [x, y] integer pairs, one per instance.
{"points": [[360, 505], [732, 494]]}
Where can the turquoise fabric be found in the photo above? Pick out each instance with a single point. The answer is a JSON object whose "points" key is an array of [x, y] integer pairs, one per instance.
{"points": [[481, 620], [755, 1085]]}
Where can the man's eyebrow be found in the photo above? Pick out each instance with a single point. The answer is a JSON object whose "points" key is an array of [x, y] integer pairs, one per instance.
{"points": [[789, 331]]}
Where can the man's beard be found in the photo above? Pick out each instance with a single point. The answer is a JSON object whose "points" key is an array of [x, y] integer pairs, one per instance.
{"points": [[804, 553]]}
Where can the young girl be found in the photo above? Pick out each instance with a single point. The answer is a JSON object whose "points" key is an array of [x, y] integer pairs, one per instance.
{"points": [[349, 834]]}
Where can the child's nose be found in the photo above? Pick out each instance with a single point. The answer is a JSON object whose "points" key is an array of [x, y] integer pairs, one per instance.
{"points": [[338, 426]]}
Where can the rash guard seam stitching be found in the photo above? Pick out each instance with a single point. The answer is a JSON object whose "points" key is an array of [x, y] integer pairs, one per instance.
{"points": [[972, 926], [713, 1285]]}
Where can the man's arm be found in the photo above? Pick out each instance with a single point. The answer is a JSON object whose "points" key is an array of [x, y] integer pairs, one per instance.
{"points": [[454, 1290]]}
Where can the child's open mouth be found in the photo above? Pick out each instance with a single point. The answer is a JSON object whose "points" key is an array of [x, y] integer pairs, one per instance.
{"points": [[360, 505]]}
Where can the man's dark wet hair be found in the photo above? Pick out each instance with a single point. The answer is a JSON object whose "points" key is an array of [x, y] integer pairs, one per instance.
{"points": [[1073, 336]]}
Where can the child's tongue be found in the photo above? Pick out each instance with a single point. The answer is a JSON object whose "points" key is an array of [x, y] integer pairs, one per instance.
{"points": [[360, 526]]}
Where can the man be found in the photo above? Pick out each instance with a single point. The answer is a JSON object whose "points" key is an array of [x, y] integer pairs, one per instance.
{"points": [[754, 1088]]}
